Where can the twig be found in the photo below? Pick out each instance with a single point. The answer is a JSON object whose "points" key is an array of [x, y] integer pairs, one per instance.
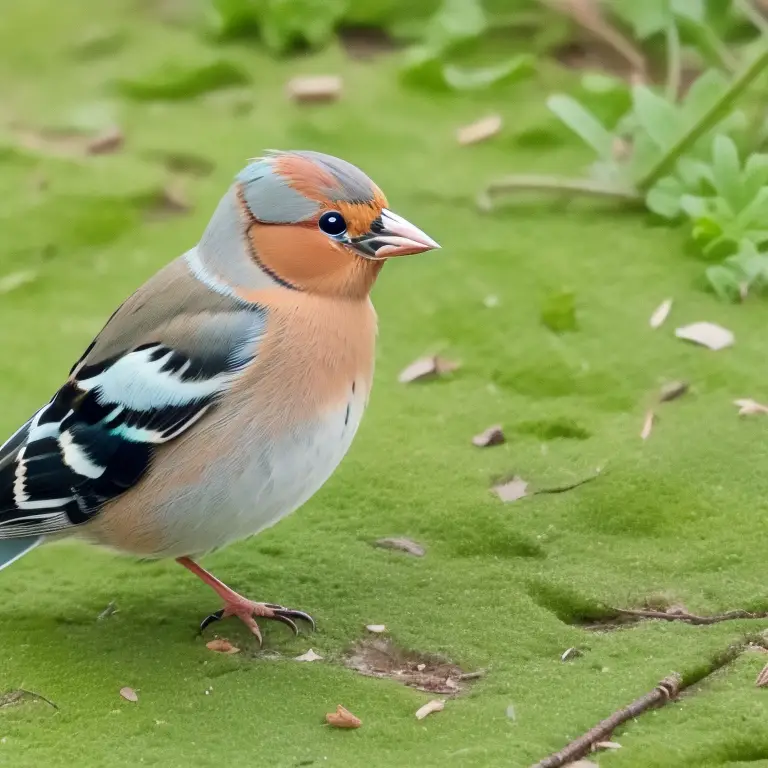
{"points": [[472, 675], [13, 697], [752, 15], [706, 122], [690, 617], [667, 689], [566, 186], [570, 486], [674, 62], [587, 14]]}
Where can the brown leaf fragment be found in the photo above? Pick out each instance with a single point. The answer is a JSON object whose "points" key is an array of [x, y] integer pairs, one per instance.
{"points": [[708, 335], [491, 436], [377, 629], [672, 390], [748, 407], [762, 678], [607, 745], [222, 645], [426, 368], [169, 201], [661, 313], [310, 655], [129, 694], [106, 142], [343, 718], [436, 705], [401, 543], [645, 432], [480, 130], [513, 490], [313, 88]]}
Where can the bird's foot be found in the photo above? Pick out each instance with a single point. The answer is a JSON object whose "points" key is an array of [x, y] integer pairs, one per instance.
{"points": [[246, 610], [237, 605]]}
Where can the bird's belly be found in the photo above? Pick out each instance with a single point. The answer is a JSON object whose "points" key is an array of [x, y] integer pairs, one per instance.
{"points": [[260, 482]]}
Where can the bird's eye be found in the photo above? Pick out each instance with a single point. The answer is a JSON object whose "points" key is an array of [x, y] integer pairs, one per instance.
{"points": [[332, 223]]}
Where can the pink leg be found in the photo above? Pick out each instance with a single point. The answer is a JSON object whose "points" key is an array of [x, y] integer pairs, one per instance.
{"points": [[244, 609]]}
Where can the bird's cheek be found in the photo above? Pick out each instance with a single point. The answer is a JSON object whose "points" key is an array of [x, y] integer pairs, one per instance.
{"points": [[298, 255]]}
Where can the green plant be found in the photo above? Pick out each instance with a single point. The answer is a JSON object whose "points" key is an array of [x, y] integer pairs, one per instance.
{"points": [[673, 155]]}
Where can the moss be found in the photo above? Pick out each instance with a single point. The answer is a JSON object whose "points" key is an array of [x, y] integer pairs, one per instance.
{"points": [[501, 587]]}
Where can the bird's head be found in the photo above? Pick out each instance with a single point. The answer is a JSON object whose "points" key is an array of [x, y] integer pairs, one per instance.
{"points": [[316, 223]]}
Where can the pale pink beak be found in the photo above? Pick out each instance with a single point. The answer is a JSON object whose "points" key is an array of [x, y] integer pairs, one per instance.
{"points": [[394, 236]]}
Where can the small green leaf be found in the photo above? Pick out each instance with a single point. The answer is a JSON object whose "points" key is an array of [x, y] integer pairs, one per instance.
{"points": [[658, 118], [558, 312], [583, 123], [664, 197], [647, 17], [177, 83], [726, 171], [474, 79], [422, 68], [455, 21], [723, 282]]}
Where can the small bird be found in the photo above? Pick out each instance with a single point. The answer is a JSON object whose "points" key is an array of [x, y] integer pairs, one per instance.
{"points": [[225, 391]]}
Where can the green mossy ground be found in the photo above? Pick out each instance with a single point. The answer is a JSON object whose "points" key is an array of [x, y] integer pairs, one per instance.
{"points": [[681, 517]]}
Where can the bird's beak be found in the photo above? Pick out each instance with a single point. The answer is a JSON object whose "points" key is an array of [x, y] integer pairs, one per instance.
{"points": [[391, 235]]}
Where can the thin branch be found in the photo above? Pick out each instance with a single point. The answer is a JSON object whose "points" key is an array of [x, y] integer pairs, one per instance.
{"points": [[667, 689], [753, 15], [707, 121], [587, 13], [674, 62], [565, 186], [690, 617], [570, 486]]}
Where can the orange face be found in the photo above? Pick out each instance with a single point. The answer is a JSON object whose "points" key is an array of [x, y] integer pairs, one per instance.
{"points": [[338, 249]]}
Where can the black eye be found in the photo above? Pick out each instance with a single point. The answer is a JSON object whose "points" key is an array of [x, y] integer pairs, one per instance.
{"points": [[332, 223]]}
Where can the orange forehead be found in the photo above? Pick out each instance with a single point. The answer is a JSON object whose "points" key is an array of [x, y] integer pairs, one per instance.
{"points": [[310, 179]]}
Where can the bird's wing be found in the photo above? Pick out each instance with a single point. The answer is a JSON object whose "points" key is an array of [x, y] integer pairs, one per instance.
{"points": [[163, 360]]}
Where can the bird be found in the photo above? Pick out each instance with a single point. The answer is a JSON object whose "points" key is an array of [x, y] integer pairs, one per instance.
{"points": [[223, 393]]}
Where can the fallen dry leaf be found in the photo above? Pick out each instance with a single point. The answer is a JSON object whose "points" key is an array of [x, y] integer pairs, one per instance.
{"points": [[480, 130], [315, 88], [607, 745], [708, 335], [310, 655], [168, 201], [491, 436], [222, 645], [571, 653], [748, 407], [107, 142], [513, 490], [342, 718], [377, 629], [762, 678], [129, 694], [436, 705], [661, 313], [426, 368], [645, 432], [401, 543], [15, 280], [672, 390]]}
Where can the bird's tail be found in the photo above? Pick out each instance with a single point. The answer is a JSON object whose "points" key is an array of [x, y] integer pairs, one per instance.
{"points": [[12, 549]]}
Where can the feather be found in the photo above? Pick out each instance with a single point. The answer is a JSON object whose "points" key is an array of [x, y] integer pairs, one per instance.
{"points": [[134, 389]]}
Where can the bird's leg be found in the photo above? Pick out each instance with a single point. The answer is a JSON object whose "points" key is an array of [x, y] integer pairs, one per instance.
{"points": [[244, 609]]}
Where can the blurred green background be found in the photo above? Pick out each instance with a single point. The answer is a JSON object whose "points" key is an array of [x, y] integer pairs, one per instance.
{"points": [[123, 123]]}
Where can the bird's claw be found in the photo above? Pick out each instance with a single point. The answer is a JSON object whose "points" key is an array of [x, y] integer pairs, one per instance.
{"points": [[246, 611]]}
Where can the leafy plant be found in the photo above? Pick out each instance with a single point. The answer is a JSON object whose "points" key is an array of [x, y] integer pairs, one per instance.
{"points": [[676, 156]]}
